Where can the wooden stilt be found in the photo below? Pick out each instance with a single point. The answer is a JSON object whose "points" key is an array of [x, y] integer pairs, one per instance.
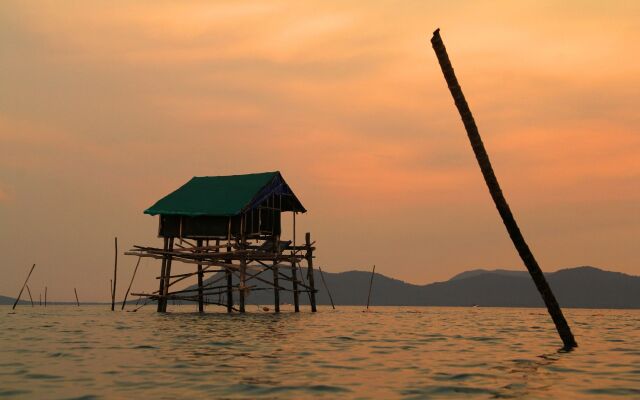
{"points": [[294, 281], [163, 272], [45, 296], [23, 286], [276, 286], [115, 276], [243, 283], [498, 197], [130, 283], [229, 285], [167, 276], [77, 301], [326, 287], [373, 272], [310, 277], [40, 303], [294, 272], [200, 279]]}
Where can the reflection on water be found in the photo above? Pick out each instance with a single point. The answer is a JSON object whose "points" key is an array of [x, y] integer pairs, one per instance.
{"points": [[91, 352]]}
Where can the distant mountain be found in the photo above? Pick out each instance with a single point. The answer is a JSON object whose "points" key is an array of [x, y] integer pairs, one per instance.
{"points": [[476, 272], [580, 287], [4, 300]]}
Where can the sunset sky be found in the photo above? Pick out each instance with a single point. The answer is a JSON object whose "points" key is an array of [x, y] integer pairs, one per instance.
{"points": [[107, 106]]}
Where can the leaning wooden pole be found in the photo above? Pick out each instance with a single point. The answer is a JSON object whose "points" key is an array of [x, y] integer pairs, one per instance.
{"points": [[23, 286], [77, 301], [373, 272], [326, 287], [496, 193], [45, 296], [115, 276], [130, 283], [30, 298]]}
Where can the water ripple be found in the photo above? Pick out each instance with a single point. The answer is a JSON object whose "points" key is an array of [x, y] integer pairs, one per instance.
{"points": [[391, 352]]}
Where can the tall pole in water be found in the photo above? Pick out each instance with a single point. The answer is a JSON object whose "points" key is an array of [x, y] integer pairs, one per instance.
{"points": [[498, 198], [115, 275], [373, 272]]}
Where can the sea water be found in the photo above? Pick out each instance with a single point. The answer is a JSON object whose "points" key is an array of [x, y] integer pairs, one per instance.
{"points": [[90, 352]]}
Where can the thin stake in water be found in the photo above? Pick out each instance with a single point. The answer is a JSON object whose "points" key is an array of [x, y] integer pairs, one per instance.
{"points": [[326, 287], [373, 272], [23, 286], [30, 298], [130, 283], [77, 301], [115, 276]]}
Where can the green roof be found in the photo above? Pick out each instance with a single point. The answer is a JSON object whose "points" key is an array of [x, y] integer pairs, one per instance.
{"points": [[224, 195]]}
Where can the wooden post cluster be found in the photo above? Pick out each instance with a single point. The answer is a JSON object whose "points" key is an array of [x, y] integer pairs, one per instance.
{"points": [[246, 260]]}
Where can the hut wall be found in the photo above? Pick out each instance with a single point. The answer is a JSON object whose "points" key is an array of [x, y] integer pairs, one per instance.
{"points": [[259, 221]]}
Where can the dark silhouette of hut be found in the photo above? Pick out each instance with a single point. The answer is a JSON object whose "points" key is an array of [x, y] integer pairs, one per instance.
{"points": [[229, 224]]}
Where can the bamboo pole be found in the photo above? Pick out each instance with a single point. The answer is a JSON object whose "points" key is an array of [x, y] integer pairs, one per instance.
{"points": [[30, 298], [166, 276], [326, 287], [200, 279], [276, 291], [498, 198], [294, 277], [373, 272], [243, 283], [130, 283], [309, 257], [115, 275], [229, 282], [77, 301], [163, 269], [23, 286]]}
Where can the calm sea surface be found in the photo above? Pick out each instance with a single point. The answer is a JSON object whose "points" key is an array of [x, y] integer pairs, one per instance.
{"points": [[388, 352]]}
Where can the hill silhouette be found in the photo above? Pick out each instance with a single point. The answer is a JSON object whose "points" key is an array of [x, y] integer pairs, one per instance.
{"points": [[579, 287]]}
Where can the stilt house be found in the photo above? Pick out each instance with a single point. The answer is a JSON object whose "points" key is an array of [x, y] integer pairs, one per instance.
{"points": [[229, 224]]}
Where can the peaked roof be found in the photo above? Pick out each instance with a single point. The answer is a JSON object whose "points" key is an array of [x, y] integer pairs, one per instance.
{"points": [[225, 195]]}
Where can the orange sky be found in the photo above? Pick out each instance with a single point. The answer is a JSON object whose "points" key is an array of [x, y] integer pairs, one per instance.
{"points": [[105, 108]]}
